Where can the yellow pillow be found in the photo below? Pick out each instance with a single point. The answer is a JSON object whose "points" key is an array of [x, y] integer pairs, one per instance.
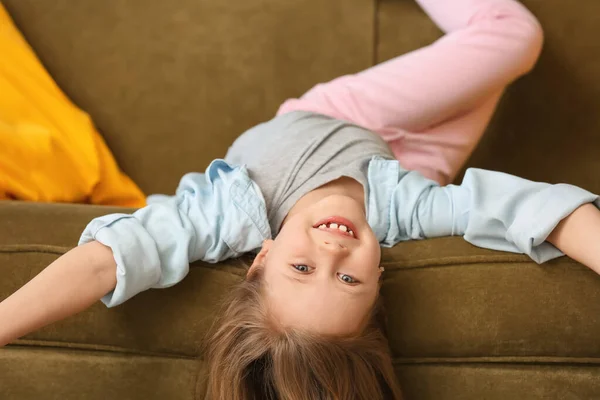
{"points": [[49, 148]]}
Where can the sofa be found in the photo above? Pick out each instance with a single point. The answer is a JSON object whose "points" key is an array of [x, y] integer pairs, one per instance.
{"points": [[171, 84]]}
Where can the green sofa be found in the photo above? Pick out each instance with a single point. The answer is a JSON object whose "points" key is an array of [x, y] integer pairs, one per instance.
{"points": [[171, 84]]}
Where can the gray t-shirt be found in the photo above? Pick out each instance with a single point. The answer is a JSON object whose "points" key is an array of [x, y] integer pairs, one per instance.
{"points": [[297, 152]]}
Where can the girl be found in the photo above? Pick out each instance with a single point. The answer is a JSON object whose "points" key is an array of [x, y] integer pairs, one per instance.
{"points": [[318, 191]]}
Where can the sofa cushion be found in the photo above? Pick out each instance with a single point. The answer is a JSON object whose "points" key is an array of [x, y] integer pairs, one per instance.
{"points": [[471, 380], [448, 299], [32, 373]]}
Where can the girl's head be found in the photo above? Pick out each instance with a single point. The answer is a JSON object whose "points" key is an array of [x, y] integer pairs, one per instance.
{"points": [[306, 323], [318, 277], [252, 356]]}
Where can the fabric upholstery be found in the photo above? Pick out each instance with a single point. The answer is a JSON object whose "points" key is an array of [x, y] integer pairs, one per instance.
{"points": [[170, 84]]}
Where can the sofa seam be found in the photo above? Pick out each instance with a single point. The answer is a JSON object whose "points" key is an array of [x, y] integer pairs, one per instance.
{"points": [[451, 261], [34, 248], [60, 250], [375, 33], [94, 348]]}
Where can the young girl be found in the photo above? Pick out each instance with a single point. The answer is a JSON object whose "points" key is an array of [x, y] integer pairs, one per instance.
{"points": [[318, 191]]}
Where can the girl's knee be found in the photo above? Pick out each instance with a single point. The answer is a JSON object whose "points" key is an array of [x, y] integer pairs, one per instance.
{"points": [[512, 20], [533, 38]]}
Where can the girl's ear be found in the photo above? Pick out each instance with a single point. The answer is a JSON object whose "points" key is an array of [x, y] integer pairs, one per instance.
{"points": [[260, 258]]}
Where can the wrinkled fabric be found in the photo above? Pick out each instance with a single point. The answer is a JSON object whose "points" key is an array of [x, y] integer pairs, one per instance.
{"points": [[214, 216]]}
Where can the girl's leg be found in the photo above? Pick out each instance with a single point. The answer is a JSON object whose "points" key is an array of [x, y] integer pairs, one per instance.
{"points": [[432, 105], [439, 152]]}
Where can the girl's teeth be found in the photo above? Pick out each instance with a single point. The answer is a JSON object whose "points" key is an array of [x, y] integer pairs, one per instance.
{"points": [[341, 227]]}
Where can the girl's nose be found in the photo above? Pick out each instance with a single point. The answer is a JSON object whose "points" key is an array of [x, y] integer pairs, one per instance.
{"points": [[334, 246]]}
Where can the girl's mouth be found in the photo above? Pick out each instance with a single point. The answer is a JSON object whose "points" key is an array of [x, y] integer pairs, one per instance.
{"points": [[337, 224]]}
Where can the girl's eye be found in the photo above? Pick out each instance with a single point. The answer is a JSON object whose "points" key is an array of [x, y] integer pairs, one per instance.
{"points": [[301, 268], [347, 279]]}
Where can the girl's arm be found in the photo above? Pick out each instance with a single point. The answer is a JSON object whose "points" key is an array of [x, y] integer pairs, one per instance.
{"points": [[497, 211], [578, 236], [214, 216], [69, 285], [209, 219]]}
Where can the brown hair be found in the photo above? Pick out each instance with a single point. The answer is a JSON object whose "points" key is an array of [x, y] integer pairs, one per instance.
{"points": [[250, 357]]}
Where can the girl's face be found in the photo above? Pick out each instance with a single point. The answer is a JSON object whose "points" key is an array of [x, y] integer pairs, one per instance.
{"points": [[321, 272]]}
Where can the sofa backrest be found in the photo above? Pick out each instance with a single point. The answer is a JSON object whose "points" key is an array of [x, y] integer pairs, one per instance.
{"points": [[172, 84]]}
